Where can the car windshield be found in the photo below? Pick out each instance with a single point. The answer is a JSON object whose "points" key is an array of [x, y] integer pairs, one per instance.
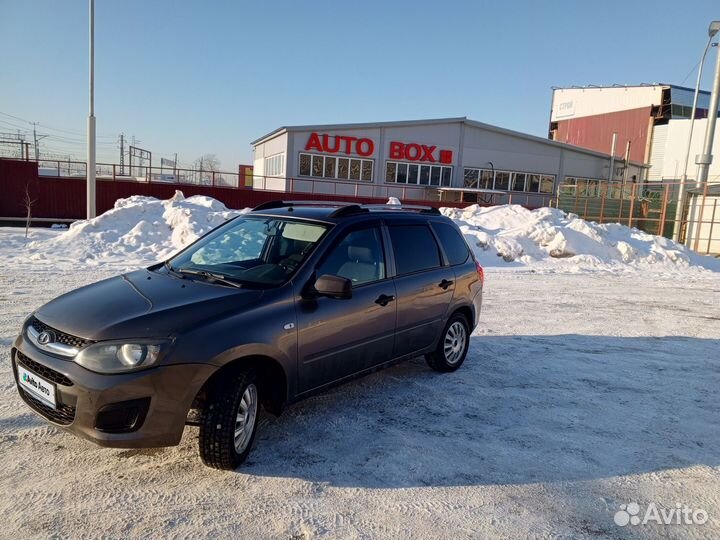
{"points": [[258, 251]]}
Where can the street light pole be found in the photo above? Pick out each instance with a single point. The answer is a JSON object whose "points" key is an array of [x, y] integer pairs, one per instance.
{"points": [[683, 179], [705, 159], [91, 121]]}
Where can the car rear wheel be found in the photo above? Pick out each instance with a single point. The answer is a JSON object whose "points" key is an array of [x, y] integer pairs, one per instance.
{"points": [[452, 347], [229, 421]]}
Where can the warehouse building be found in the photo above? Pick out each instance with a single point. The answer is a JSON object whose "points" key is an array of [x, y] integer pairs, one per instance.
{"points": [[651, 124], [588, 116], [451, 159]]}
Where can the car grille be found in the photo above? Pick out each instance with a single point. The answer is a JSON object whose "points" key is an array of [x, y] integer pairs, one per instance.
{"points": [[62, 415], [43, 371], [60, 337]]}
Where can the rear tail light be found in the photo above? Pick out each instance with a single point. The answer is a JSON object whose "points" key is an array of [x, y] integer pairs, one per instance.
{"points": [[481, 272]]}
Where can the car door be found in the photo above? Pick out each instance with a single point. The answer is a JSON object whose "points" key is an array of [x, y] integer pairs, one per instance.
{"points": [[340, 337], [424, 286]]}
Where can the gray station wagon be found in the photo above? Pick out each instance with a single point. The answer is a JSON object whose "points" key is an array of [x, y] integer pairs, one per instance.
{"points": [[268, 308]]}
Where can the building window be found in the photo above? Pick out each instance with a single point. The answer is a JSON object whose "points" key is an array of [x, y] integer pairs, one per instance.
{"points": [[330, 168], [502, 181], [487, 179], [275, 165], [401, 172], [305, 164], [390, 172], [354, 169], [508, 181], [518, 182], [412, 173], [343, 168], [471, 178], [533, 183], [317, 166], [547, 183], [336, 168]]}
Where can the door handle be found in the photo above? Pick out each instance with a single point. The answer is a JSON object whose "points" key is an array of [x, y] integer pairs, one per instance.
{"points": [[384, 299], [445, 283]]}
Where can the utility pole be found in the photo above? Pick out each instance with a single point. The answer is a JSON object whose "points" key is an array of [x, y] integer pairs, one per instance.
{"points": [[626, 172], [91, 211], [611, 172], [36, 141], [122, 154], [705, 159]]}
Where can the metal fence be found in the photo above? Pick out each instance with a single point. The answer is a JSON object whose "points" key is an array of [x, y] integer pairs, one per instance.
{"points": [[140, 173], [651, 207]]}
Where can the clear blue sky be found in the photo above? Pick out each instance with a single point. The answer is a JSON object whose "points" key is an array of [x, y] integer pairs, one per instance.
{"points": [[198, 77]]}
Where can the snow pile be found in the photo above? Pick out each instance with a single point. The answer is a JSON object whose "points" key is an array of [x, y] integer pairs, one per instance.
{"points": [[138, 229], [548, 238]]}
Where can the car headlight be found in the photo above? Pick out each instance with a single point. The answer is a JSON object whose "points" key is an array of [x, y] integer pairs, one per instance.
{"points": [[121, 356]]}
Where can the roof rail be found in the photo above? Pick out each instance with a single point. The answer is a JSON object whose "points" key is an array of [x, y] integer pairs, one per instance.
{"points": [[282, 204], [346, 208], [403, 207], [268, 205]]}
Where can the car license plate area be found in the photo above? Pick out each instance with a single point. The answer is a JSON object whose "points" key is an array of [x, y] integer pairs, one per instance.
{"points": [[39, 388]]}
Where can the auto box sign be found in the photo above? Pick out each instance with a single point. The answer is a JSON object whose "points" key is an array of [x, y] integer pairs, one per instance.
{"points": [[363, 146]]}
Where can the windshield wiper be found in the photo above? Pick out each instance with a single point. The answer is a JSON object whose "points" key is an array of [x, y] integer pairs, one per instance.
{"points": [[169, 267], [210, 276]]}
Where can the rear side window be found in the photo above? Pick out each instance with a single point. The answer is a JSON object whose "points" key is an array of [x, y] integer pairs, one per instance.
{"points": [[454, 245], [414, 247]]}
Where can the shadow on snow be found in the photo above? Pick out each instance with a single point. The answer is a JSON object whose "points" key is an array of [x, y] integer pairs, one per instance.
{"points": [[522, 409]]}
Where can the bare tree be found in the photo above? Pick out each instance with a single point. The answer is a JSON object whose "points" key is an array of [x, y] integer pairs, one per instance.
{"points": [[28, 202], [207, 162]]}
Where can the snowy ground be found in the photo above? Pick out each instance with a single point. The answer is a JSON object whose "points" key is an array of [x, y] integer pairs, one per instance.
{"points": [[591, 382], [580, 393]]}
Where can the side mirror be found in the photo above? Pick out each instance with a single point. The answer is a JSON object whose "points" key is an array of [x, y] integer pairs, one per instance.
{"points": [[333, 286]]}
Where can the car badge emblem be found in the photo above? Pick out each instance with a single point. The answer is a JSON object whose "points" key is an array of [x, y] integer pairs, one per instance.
{"points": [[45, 337]]}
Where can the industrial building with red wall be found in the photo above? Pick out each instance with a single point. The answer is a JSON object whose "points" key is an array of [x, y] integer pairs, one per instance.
{"points": [[588, 116]]}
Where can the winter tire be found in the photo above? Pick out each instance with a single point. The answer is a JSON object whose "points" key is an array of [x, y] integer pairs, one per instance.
{"points": [[229, 420], [452, 347]]}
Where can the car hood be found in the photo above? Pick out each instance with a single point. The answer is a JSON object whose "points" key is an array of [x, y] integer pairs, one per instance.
{"points": [[143, 304]]}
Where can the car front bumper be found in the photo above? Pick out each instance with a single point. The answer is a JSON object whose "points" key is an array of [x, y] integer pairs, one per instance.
{"points": [[161, 396]]}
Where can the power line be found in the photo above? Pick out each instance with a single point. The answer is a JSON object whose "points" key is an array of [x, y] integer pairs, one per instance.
{"points": [[53, 128]]}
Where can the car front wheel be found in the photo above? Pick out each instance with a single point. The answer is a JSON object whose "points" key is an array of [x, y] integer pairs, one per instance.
{"points": [[229, 420], [452, 347]]}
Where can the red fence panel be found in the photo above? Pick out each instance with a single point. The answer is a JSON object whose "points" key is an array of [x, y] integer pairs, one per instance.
{"points": [[61, 197]]}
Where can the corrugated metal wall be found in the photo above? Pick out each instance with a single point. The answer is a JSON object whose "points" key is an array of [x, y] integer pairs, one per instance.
{"points": [[595, 132], [58, 197], [657, 152]]}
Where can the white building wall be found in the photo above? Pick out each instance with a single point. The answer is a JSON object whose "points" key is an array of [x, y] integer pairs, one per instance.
{"points": [[704, 224], [508, 153], [471, 145], [669, 146], [579, 102], [271, 147]]}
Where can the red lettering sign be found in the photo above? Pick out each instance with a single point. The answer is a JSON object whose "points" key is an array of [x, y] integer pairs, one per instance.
{"points": [[314, 143], [419, 152], [332, 144], [365, 147], [397, 150]]}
